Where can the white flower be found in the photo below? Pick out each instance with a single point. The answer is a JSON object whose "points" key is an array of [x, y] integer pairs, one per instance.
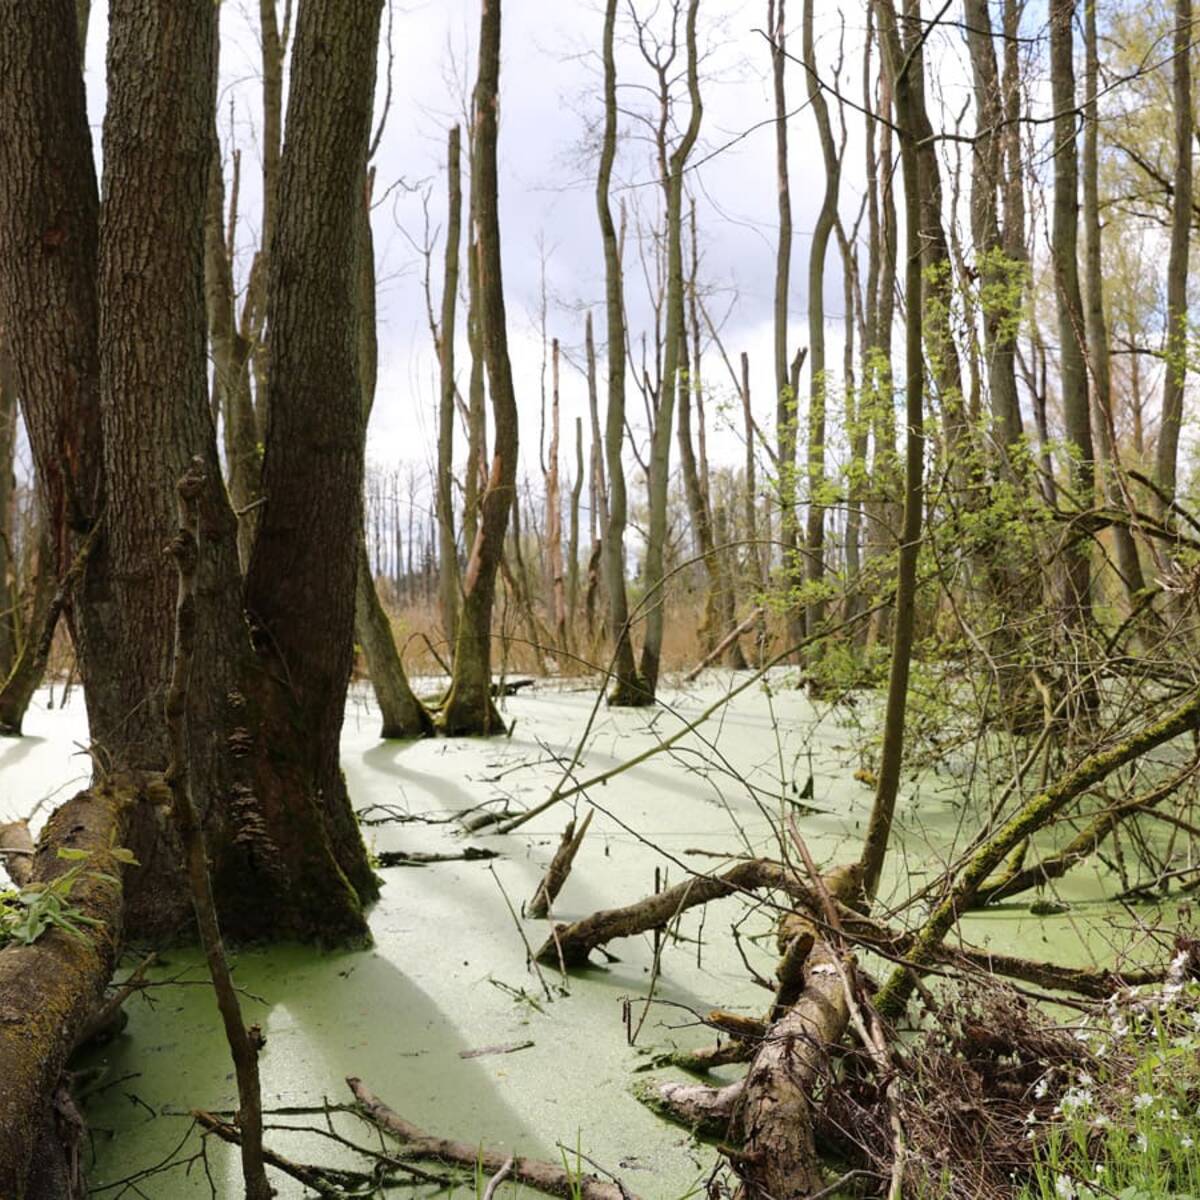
{"points": [[1186, 1141], [1040, 1088], [1064, 1188], [1142, 1100], [1142, 1144]]}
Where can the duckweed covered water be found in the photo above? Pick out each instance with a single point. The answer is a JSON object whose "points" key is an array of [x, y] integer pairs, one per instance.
{"points": [[448, 970]]}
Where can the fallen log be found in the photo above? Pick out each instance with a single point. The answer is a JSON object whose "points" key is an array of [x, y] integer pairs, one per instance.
{"points": [[421, 858], [544, 1176], [49, 990], [778, 1158], [576, 941], [560, 867], [724, 644], [16, 851], [705, 1110]]}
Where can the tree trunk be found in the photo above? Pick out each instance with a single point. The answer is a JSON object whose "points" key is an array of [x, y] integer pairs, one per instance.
{"points": [[28, 668], [1071, 326], [554, 555], [1166, 458], [447, 543], [814, 544], [9, 598], [469, 708], [403, 714], [573, 537], [904, 62], [1100, 360], [629, 688], [786, 419], [654, 570]]}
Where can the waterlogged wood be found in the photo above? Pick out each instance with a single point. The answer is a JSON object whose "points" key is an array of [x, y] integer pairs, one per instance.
{"points": [[571, 944], [709, 1111], [546, 1177], [16, 851], [779, 1157], [49, 990], [560, 867]]}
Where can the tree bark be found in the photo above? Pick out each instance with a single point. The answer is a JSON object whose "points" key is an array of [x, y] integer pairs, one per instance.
{"points": [[786, 418], [1071, 324], [654, 567], [448, 584], [469, 708], [814, 544], [629, 689], [1100, 359], [904, 61], [1167, 454]]}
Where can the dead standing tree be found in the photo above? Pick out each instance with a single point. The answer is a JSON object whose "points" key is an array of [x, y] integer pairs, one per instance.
{"points": [[628, 687], [671, 167], [469, 708]]}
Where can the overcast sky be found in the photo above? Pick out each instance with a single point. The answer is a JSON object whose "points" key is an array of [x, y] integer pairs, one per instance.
{"points": [[550, 106]]}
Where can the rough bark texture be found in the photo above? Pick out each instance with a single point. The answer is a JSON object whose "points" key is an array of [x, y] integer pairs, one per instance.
{"points": [[303, 568], [469, 708]]}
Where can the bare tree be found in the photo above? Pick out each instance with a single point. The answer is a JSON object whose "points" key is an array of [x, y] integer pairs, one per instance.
{"points": [[468, 708]]}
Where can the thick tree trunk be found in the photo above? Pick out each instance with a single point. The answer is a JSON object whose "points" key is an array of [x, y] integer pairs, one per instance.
{"points": [[469, 708], [302, 575], [50, 989]]}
